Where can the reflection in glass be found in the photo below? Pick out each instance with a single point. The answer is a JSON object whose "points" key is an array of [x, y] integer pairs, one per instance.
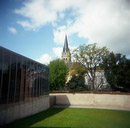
{"points": [[18, 79], [1, 65], [21, 79], [5, 81], [12, 78]]}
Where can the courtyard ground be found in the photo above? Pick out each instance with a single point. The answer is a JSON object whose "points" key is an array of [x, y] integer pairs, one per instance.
{"points": [[75, 118]]}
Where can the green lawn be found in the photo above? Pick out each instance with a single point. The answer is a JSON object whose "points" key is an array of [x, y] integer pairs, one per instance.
{"points": [[75, 117]]}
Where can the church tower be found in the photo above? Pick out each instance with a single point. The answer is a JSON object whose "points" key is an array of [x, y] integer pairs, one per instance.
{"points": [[66, 56]]}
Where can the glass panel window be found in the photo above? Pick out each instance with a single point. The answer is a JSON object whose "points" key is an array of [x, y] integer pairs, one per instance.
{"points": [[23, 82], [38, 87], [31, 79], [28, 79], [12, 78], [21, 79], [18, 79], [5, 81], [35, 80], [1, 65]]}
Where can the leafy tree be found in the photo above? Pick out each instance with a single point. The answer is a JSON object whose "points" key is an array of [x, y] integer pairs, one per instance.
{"points": [[77, 75], [117, 71], [90, 56], [57, 72], [77, 69], [76, 83]]}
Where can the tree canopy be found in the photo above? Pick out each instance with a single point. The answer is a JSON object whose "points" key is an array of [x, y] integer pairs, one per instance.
{"points": [[117, 71], [77, 69], [77, 83], [57, 72], [90, 56]]}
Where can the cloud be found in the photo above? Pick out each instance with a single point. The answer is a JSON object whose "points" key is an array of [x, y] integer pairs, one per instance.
{"points": [[72, 48], [44, 59], [105, 22], [12, 30], [59, 35], [40, 12], [58, 51]]}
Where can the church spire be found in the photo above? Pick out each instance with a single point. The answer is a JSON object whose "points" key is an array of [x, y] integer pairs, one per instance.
{"points": [[66, 48], [66, 56]]}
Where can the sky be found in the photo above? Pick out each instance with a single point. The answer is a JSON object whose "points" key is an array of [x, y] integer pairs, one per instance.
{"points": [[37, 28]]}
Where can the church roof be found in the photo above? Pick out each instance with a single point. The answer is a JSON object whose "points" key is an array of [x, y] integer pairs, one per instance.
{"points": [[66, 48]]}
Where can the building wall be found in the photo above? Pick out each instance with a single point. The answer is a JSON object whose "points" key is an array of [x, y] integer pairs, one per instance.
{"points": [[22, 84], [89, 100], [100, 81], [66, 56], [20, 110]]}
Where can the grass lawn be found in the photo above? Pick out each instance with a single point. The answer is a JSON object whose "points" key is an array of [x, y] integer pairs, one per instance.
{"points": [[75, 117]]}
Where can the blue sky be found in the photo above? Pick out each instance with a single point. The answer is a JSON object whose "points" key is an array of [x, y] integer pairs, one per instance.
{"points": [[36, 28]]}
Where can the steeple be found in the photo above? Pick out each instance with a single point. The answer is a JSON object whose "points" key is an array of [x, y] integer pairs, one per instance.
{"points": [[66, 48], [66, 56]]}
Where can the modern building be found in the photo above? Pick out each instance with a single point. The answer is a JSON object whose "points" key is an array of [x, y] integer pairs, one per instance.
{"points": [[66, 56], [24, 86]]}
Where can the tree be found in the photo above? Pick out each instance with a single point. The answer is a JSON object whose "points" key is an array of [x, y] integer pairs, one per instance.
{"points": [[76, 83], [90, 56], [76, 75], [57, 72], [77, 69], [117, 71]]}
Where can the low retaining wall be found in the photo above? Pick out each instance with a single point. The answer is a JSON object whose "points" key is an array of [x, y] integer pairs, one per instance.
{"points": [[20, 110], [105, 101]]}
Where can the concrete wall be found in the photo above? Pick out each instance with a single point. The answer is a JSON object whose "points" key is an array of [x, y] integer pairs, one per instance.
{"points": [[106, 101], [20, 110], [52, 101]]}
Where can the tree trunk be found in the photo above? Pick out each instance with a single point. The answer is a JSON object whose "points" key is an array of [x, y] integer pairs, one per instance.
{"points": [[94, 80], [93, 83]]}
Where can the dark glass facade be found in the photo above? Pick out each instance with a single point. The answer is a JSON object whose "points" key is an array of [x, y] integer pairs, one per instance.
{"points": [[21, 79]]}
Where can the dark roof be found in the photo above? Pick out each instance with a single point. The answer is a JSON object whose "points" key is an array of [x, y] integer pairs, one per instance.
{"points": [[66, 48]]}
